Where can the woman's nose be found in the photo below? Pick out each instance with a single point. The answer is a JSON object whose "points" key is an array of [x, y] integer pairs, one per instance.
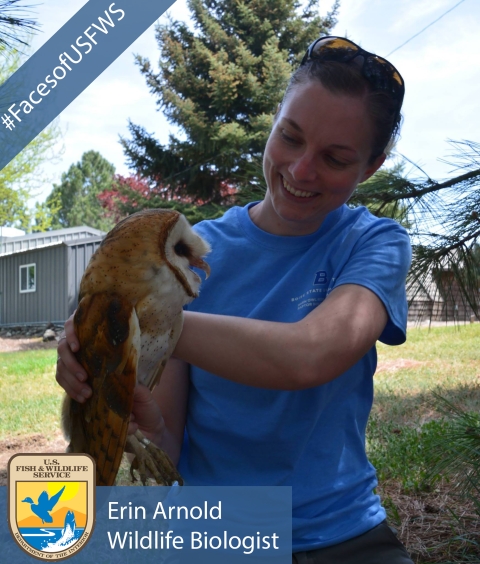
{"points": [[303, 168]]}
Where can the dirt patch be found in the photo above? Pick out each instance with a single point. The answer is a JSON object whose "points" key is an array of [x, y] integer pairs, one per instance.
{"points": [[398, 364], [26, 444], [436, 526], [13, 344]]}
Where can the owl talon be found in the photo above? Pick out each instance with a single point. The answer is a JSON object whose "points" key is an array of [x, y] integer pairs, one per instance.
{"points": [[133, 466], [151, 458]]}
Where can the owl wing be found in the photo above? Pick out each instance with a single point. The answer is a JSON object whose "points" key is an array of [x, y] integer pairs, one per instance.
{"points": [[152, 364], [109, 334]]}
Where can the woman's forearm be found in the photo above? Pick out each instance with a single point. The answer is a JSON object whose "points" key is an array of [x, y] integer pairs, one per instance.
{"points": [[286, 356], [241, 350]]}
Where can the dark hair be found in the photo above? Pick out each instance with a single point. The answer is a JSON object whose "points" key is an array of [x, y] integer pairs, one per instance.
{"points": [[347, 79]]}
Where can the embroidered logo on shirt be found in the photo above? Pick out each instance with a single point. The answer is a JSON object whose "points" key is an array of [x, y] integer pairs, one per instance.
{"points": [[320, 278]]}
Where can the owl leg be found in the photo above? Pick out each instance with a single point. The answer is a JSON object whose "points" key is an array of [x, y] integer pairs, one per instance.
{"points": [[150, 457]]}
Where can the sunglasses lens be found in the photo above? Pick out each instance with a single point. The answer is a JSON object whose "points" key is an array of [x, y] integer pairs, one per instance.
{"points": [[334, 48], [378, 71], [383, 75], [385, 67]]}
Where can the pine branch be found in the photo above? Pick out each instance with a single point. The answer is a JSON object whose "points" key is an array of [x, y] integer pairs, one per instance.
{"points": [[13, 18], [406, 189], [443, 219]]}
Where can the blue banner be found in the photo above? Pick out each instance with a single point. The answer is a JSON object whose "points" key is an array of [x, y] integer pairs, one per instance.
{"points": [[184, 525], [69, 62]]}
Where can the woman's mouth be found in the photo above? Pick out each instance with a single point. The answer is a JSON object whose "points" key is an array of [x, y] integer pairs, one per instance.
{"points": [[295, 192]]}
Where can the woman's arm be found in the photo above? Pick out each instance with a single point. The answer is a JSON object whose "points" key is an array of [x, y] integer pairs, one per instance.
{"points": [[171, 395], [286, 356]]}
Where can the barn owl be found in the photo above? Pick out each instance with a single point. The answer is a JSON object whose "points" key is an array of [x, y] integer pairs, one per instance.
{"points": [[128, 321]]}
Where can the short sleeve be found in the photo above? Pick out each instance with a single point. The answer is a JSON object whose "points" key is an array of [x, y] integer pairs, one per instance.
{"points": [[379, 261]]}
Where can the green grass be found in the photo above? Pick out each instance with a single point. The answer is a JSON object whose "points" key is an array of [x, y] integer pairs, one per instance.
{"points": [[405, 421], [444, 359], [29, 395]]}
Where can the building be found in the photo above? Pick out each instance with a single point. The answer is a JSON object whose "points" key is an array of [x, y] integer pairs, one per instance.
{"points": [[40, 274], [438, 297]]}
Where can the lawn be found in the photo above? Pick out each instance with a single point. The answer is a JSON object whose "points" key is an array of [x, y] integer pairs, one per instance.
{"points": [[30, 398], [407, 424], [442, 360], [404, 422]]}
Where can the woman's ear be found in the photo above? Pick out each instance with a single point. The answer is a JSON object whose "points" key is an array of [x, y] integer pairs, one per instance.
{"points": [[372, 169]]}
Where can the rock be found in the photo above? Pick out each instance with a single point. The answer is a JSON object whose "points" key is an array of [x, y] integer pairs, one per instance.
{"points": [[8, 334], [49, 335]]}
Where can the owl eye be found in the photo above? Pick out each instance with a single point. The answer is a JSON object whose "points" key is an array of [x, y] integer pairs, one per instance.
{"points": [[181, 249]]}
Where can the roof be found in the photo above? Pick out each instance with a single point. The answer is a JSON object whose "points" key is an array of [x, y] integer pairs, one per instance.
{"points": [[10, 245], [76, 243], [58, 232]]}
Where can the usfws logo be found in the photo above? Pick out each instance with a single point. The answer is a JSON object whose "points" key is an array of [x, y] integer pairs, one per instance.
{"points": [[51, 503]]}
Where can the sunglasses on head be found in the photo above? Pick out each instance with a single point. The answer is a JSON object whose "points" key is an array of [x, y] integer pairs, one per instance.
{"points": [[381, 74]]}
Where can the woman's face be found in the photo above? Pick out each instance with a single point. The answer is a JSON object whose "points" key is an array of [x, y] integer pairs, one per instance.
{"points": [[316, 155]]}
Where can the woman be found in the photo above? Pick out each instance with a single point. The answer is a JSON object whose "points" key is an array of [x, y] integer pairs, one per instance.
{"points": [[301, 289]]}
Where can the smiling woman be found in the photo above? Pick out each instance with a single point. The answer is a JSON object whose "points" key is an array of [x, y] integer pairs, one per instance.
{"points": [[273, 375], [312, 167]]}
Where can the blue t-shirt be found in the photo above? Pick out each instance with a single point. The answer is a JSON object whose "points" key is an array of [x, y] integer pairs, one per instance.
{"points": [[313, 439]]}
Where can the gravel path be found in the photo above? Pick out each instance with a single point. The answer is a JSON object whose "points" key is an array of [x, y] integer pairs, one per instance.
{"points": [[12, 344]]}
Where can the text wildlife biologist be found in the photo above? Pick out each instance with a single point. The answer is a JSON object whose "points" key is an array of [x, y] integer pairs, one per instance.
{"points": [[83, 45], [168, 540]]}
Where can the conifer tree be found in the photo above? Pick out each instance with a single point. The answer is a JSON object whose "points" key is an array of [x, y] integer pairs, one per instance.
{"points": [[220, 83], [75, 201]]}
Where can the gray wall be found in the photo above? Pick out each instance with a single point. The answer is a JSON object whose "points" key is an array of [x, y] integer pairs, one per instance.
{"points": [[49, 301], [79, 255], [59, 270]]}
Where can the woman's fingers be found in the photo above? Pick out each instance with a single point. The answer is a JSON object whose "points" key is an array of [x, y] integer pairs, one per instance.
{"points": [[132, 427], [69, 360], [70, 335], [71, 382], [70, 374], [146, 414]]}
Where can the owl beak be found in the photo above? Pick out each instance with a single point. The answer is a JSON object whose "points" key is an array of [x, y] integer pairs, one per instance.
{"points": [[200, 263]]}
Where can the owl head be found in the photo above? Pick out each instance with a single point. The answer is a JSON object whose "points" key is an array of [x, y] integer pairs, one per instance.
{"points": [[149, 251]]}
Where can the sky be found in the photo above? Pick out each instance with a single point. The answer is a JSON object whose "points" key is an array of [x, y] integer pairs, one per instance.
{"points": [[440, 68]]}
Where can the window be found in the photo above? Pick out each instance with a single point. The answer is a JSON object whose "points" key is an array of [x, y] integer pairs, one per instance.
{"points": [[28, 278]]}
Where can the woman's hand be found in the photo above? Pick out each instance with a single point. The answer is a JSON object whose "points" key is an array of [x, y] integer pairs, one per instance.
{"points": [[146, 415], [160, 415], [70, 374]]}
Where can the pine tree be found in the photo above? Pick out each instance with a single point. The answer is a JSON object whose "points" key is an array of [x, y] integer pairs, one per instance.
{"points": [[221, 84], [75, 200]]}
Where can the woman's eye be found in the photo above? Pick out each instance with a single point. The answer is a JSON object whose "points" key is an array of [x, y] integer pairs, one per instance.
{"points": [[287, 138], [335, 162]]}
